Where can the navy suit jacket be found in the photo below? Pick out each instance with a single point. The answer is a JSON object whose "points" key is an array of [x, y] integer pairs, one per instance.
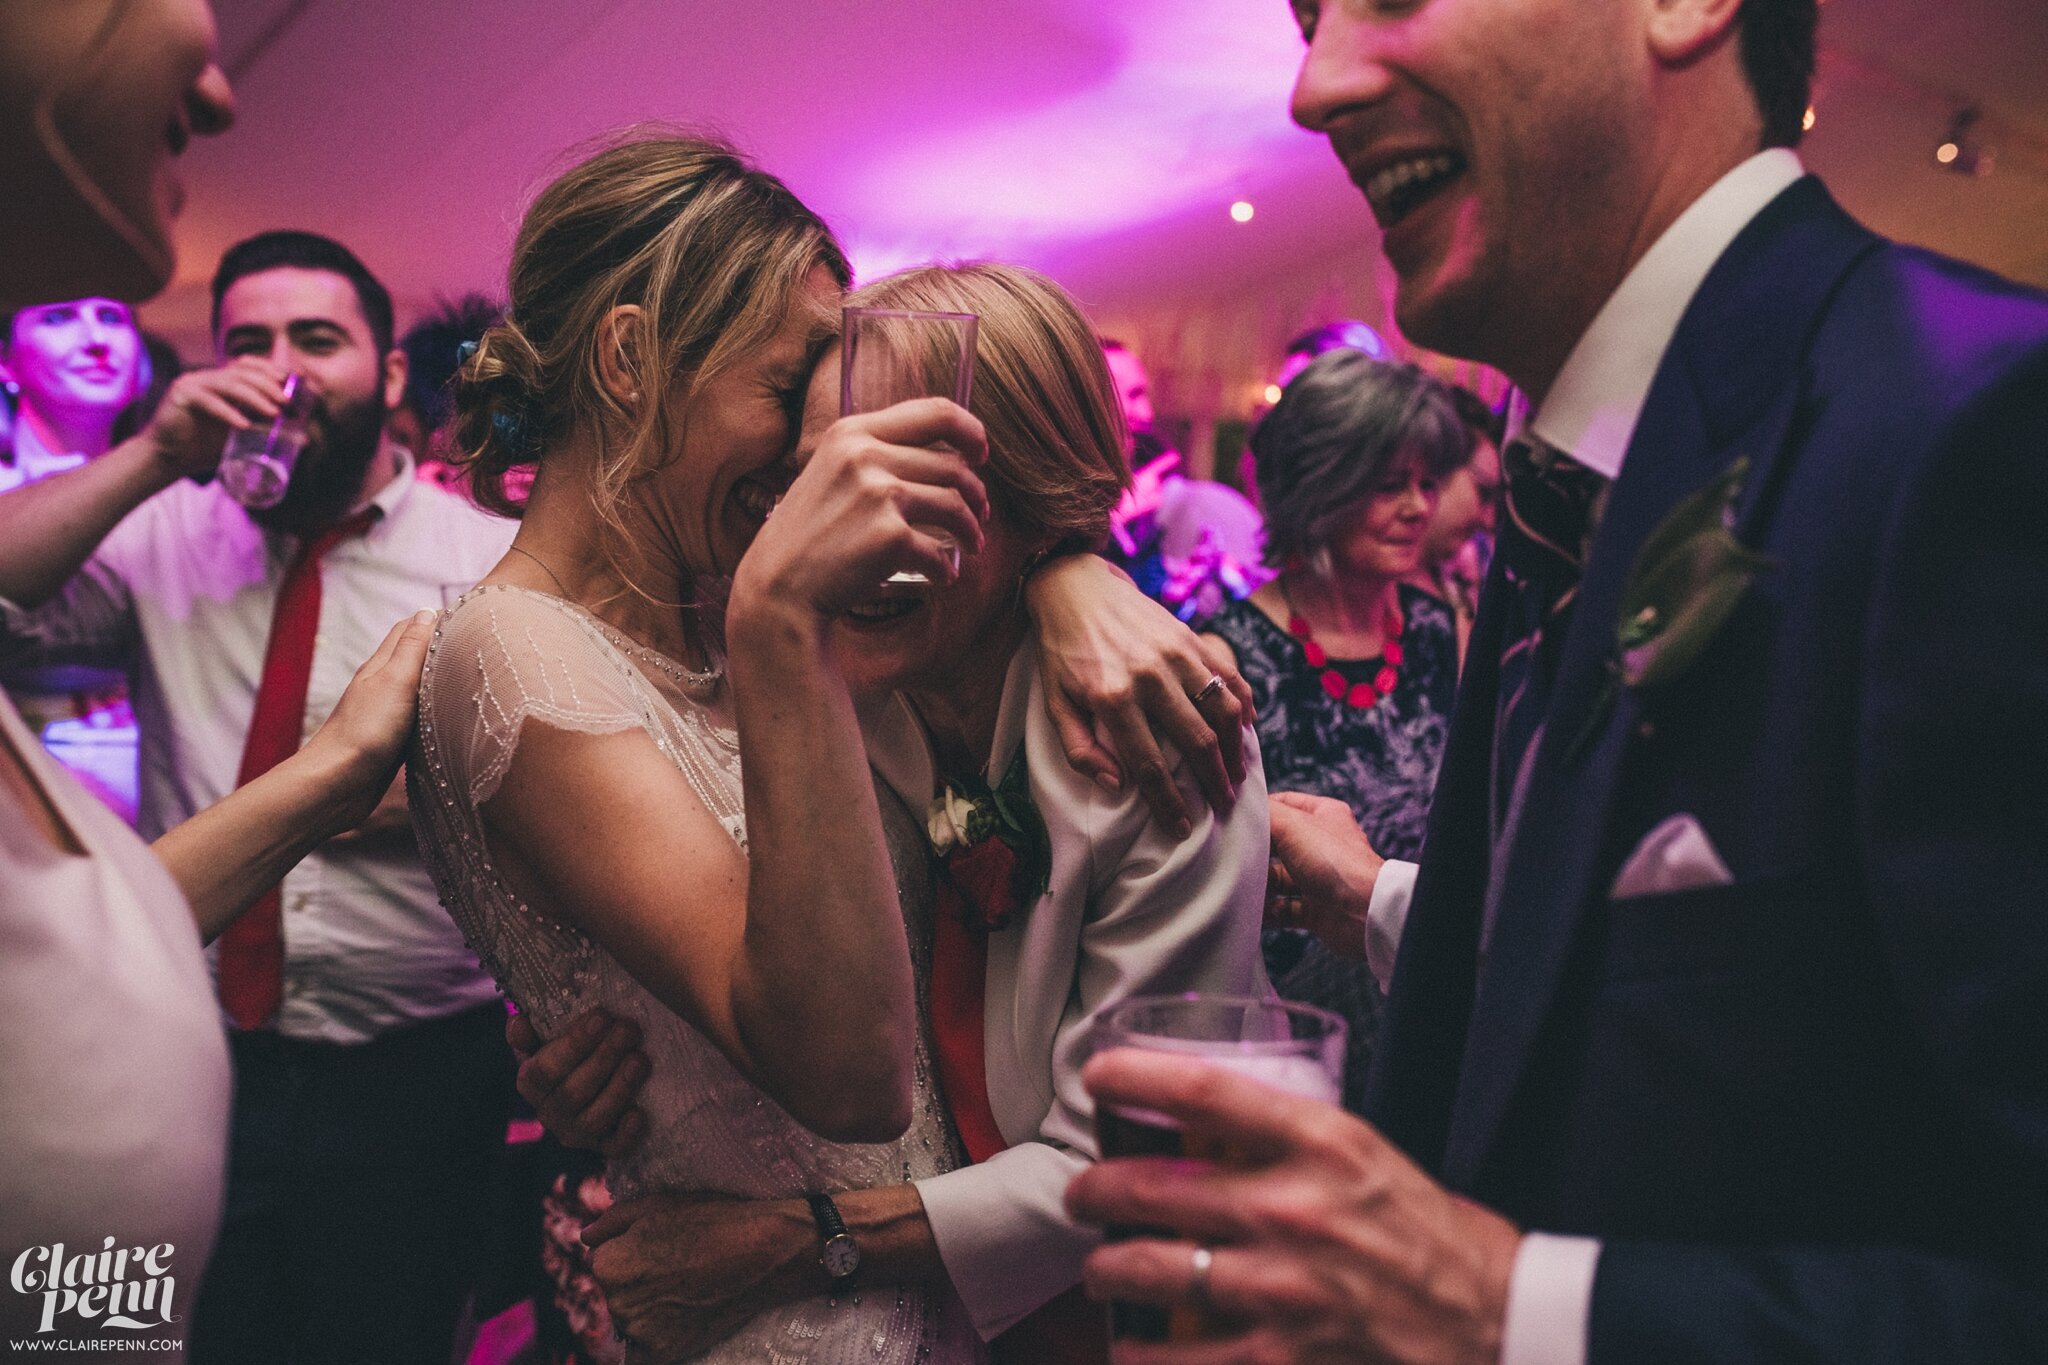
{"points": [[1807, 1112]]}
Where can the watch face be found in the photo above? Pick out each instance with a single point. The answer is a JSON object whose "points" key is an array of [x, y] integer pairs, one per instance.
{"points": [[841, 1257]]}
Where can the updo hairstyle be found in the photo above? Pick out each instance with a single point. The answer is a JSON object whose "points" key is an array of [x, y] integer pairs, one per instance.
{"points": [[712, 250]]}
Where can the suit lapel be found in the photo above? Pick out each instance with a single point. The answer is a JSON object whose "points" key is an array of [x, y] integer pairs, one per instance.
{"points": [[1728, 387]]}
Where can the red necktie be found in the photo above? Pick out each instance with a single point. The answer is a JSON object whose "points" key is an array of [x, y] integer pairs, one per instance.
{"points": [[252, 949], [1069, 1329]]}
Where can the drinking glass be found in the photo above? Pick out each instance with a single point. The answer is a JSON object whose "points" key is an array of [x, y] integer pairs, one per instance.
{"points": [[888, 355], [1291, 1047], [256, 464]]}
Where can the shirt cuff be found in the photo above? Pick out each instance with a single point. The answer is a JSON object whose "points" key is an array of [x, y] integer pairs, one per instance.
{"points": [[1550, 1298], [1385, 916]]}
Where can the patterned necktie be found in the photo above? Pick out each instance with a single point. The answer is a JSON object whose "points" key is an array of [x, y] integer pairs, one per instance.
{"points": [[1553, 504], [252, 949]]}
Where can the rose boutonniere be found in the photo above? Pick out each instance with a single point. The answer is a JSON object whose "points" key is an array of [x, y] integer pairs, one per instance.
{"points": [[1684, 585], [994, 856]]}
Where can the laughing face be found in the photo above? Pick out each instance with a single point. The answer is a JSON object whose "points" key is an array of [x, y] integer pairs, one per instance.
{"points": [[738, 431], [97, 99], [1503, 148], [920, 637]]}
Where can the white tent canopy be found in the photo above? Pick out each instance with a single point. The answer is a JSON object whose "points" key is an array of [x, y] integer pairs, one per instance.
{"points": [[1101, 142]]}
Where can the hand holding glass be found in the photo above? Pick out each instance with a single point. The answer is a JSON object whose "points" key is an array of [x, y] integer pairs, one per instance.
{"points": [[889, 355], [1295, 1048], [256, 464]]}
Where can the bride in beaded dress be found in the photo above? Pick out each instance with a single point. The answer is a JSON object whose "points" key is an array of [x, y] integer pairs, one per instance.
{"points": [[578, 784]]}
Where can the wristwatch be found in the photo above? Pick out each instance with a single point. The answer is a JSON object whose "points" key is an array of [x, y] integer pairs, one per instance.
{"points": [[841, 1254]]}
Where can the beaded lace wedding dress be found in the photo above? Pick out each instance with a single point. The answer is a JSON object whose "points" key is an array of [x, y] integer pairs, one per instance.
{"points": [[504, 656]]}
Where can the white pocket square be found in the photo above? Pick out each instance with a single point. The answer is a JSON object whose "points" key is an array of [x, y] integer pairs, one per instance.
{"points": [[1675, 856]]}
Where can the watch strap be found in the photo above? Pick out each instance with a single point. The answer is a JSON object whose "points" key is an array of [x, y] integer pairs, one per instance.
{"points": [[838, 1252], [825, 1214]]}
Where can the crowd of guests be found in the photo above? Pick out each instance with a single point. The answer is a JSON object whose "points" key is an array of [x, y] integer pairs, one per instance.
{"points": [[372, 1010], [1677, 910]]}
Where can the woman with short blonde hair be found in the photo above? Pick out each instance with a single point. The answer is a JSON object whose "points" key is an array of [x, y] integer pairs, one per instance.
{"points": [[1050, 898], [633, 801], [1055, 430]]}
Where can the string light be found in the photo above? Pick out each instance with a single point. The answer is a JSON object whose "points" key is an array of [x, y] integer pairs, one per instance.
{"points": [[1241, 211], [1272, 393], [1812, 117]]}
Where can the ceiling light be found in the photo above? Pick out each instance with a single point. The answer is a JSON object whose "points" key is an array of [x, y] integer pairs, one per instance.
{"points": [[1963, 149], [1241, 211]]}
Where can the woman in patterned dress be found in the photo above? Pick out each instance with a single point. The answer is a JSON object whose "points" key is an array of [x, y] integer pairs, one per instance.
{"points": [[1351, 669]]}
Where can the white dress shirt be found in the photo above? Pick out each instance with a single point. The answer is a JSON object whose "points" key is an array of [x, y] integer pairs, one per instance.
{"points": [[1590, 414], [99, 746], [33, 460], [181, 594]]}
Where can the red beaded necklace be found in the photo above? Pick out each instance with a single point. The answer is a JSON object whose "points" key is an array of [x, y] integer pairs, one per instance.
{"points": [[1359, 695]]}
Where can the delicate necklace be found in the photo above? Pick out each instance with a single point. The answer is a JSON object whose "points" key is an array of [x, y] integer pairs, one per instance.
{"points": [[1360, 695], [544, 569], [689, 678]]}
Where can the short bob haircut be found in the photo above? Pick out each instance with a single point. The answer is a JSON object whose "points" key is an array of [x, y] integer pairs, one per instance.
{"points": [[1041, 388], [1333, 437]]}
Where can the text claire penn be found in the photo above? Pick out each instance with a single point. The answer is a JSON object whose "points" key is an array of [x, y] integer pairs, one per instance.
{"points": [[126, 1287]]}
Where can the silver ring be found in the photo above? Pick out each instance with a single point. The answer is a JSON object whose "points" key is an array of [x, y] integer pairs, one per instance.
{"points": [[1198, 1282], [1209, 689]]}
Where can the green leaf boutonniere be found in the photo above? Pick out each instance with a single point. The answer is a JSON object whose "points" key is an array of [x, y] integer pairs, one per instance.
{"points": [[1685, 583], [994, 855]]}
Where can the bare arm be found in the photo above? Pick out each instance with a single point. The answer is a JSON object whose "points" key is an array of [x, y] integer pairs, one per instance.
{"points": [[230, 853], [791, 959], [604, 832], [50, 528], [824, 929], [682, 1272]]}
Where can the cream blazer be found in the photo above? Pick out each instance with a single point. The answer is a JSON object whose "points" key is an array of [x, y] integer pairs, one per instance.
{"points": [[1131, 911]]}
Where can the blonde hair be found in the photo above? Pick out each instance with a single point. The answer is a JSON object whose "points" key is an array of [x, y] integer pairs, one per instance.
{"points": [[1041, 388], [714, 253]]}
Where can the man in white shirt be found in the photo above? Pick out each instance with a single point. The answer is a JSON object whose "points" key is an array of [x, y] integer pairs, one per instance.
{"points": [[372, 1081], [1714, 1032]]}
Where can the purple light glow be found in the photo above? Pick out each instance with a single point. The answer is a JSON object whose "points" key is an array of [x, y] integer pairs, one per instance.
{"points": [[1194, 103]]}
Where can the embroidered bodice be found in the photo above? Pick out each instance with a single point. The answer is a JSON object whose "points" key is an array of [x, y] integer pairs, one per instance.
{"points": [[505, 657]]}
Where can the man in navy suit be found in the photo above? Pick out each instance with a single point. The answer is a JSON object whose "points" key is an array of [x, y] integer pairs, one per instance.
{"points": [[1719, 1027]]}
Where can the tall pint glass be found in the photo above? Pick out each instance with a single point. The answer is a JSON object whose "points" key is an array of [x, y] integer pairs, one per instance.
{"points": [[1291, 1047], [890, 354]]}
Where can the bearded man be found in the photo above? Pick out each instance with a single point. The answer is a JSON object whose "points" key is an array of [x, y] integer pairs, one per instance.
{"points": [[371, 1082]]}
